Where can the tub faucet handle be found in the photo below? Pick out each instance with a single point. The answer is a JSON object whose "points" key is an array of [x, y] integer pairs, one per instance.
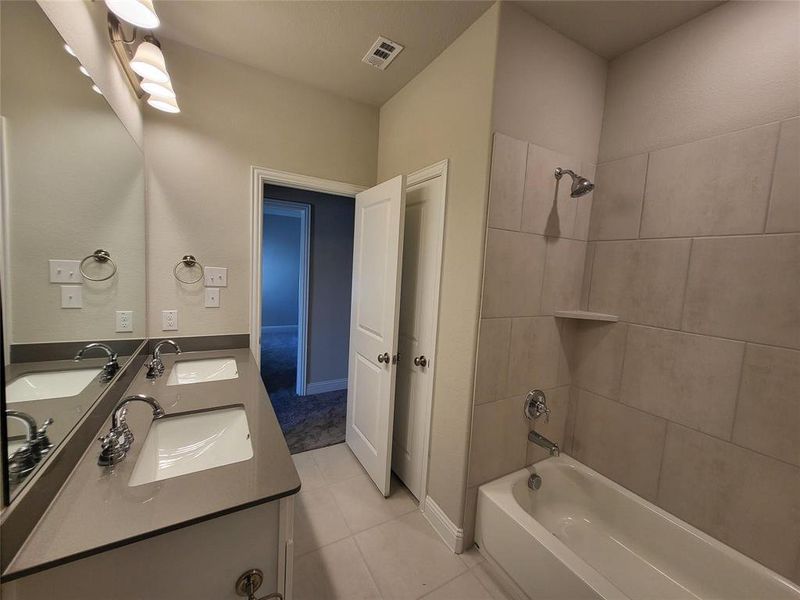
{"points": [[536, 406]]}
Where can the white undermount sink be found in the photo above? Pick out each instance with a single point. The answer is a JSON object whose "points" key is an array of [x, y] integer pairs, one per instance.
{"points": [[49, 384], [194, 442], [202, 371]]}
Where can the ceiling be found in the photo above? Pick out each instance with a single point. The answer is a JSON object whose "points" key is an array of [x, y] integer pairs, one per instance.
{"points": [[610, 28], [322, 43]]}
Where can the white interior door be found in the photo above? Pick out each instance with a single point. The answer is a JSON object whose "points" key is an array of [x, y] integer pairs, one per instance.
{"points": [[374, 312], [418, 313]]}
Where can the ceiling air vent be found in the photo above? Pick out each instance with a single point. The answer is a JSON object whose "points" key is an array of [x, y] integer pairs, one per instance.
{"points": [[382, 53]]}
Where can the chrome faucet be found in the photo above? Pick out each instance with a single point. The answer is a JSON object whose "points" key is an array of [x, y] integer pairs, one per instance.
{"points": [[535, 407], [156, 367], [110, 368], [37, 445], [116, 443]]}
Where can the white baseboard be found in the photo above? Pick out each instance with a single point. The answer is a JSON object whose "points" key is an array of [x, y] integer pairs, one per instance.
{"points": [[320, 387], [278, 329], [453, 536]]}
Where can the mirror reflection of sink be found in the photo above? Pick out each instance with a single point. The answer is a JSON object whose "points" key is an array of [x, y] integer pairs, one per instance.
{"points": [[186, 444], [50, 384], [202, 370]]}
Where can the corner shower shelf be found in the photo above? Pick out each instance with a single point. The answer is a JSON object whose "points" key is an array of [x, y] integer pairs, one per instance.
{"points": [[585, 315]]}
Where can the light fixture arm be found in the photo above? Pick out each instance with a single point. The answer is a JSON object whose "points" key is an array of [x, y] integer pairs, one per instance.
{"points": [[120, 44]]}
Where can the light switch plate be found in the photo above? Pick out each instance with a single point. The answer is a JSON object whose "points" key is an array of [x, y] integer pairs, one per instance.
{"points": [[65, 271], [212, 297], [169, 320], [71, 296], [215, 276], [124, 321]]}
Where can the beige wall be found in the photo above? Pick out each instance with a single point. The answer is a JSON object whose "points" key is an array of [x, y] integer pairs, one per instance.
{"points": [[445, 112], [731, 68], [84, 27], [548, 106], [199, 181], [692, 399], [75, 183]]}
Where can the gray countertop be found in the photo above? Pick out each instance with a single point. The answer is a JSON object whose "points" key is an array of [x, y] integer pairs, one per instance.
{"points": [[96, 510]]}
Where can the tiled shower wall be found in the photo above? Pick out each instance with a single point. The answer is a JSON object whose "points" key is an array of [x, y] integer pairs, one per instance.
{"points": [[692, 400], [534, 265]]}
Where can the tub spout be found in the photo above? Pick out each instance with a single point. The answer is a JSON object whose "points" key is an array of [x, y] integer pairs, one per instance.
{"points": [[542, 441]]}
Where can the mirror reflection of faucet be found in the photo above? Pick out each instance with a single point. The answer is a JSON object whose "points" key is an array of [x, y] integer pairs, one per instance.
{"points": [[110, 368], [36, 446]]}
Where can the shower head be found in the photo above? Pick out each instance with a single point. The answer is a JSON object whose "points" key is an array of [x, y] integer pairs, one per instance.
{"points": [[580, 185]]}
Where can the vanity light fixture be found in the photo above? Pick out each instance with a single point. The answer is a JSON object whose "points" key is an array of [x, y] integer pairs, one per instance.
{"points": [[83, 70], [141, 60], [69, 50], [140, 13], [96, 89]]}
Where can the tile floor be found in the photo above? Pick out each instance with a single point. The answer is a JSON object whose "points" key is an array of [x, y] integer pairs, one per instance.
{"points": [[351, 543]]}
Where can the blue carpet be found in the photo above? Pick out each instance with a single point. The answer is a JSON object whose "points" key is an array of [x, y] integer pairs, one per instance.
{"points": [[308, 422]]}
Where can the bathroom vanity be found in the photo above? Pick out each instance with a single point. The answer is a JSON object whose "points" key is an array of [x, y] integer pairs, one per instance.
{"points": [[136, 529]]}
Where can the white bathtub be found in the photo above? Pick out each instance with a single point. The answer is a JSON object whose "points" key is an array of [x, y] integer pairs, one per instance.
{"points": [[582, 536]]}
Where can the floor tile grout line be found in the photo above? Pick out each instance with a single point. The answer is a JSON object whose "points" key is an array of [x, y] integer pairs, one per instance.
{"points": [[366, 565]]}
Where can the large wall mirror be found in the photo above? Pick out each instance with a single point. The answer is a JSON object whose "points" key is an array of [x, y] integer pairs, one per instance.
{"points": [[73, 241]]}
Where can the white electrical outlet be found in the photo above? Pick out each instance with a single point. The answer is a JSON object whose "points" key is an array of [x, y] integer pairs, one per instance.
{"points": [[71, 296], [215, 276], [169, 320], [124, 321], [212, 297], [65, 271]]}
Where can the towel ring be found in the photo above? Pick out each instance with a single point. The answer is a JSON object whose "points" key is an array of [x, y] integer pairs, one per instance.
{"points": [[188, 261], [100, 256]]}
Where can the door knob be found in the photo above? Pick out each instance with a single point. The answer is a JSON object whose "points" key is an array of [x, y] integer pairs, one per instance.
{"points": [[421, 361], [384, 358]]}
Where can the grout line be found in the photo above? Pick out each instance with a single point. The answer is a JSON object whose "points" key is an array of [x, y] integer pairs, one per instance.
{"points": [[686, 282], [702, 236], [624, 359], [366, 565], [661, 460], [644, 196], [772, 177], [738, 392]]}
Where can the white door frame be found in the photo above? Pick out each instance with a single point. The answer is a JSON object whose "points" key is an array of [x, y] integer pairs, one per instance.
{"points": [[300, 211], [260, 176], [425, 174]]}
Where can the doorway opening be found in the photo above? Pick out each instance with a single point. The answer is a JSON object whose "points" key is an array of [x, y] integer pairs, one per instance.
{"points": [[306, 271]]}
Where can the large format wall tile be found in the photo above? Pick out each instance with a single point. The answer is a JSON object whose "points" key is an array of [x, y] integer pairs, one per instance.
{"points": [[583, 205], [541, 213], [686, 378], [537, 358], [746, 288], [507, 182], [641, 281], [784, 204], [499, 440], [563, 275], [492, 363], [768, 411], [747, 500], [554, 428], [620, 442], [513, 271], [617, 206], [710, 187], [597, 357]]}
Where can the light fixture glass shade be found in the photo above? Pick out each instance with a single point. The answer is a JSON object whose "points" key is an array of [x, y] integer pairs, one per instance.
{"points": [[136, 12], [69, 50], [83, 70], [169, 105], [148, 63], [155, 88], [96, 89]]}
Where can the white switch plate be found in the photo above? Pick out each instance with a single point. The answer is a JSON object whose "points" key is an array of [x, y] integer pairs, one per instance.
{"points": [[212, 297], [71, 296], [65, 271], [124, 321], [169, 320], [216, 276]]}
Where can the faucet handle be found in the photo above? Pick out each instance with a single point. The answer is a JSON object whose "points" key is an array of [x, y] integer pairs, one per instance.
{"points": [[536, 406]]}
